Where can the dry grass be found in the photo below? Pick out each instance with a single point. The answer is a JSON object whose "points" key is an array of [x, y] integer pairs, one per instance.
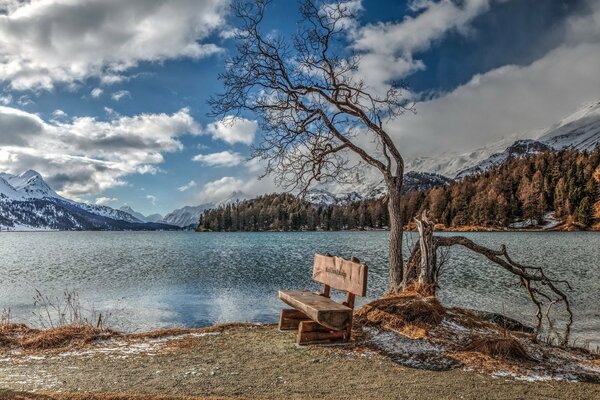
{"points": [[161, 333], [6, 395], [409, 314], [64, 336], [506, 347], [21, 336]]}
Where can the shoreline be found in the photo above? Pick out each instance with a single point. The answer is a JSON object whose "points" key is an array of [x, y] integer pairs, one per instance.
{"points": [[237, 361]]}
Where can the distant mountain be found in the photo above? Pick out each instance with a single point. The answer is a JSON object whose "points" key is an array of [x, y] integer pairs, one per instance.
{"points": [[186, 216], [451, 163], [27, 202], [140, 216], [580, 130], [520, 148], [412, 181], [28, 185]]}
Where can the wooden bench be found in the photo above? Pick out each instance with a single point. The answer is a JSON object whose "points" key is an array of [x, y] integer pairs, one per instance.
{"points": [[318, 318]]}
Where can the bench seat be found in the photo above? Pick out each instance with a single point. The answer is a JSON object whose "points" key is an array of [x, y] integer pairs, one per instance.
{"points": [[319, 308]]}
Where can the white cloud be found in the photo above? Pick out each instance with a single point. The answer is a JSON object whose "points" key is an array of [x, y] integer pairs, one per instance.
{"points": [[85, 155], [187, 186], [220, 189], [96, 92], [152, 199], [5, 99], [43, 43], [25, 100], [248, 185], [511, 99], [233, 130], [116, 96], [103, 200], [221, 159], [388, 49]]}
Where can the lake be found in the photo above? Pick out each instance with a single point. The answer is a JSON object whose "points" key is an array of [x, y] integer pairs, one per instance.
{"points": [[151, 280]]}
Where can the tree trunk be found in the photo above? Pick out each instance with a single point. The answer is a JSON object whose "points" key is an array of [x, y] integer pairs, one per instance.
{"points": [[396, 229], [420, 271]]}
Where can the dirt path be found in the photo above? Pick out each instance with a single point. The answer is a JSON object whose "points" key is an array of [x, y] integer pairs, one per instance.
{"points": [[251, 362]]}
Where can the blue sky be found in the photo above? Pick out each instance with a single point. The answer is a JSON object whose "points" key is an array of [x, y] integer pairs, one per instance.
{"points": [[107, 99]]}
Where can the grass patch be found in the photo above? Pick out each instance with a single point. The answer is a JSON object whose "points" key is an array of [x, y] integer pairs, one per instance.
{"points": [[409, 314], [506, 347]]}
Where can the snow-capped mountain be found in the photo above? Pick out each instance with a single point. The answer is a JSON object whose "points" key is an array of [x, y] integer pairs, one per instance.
{"points": [[140, 216], [580, 130], [27, 202], [451, 163], [28, 185], [520, 148], [368, 191], [186, 216]]}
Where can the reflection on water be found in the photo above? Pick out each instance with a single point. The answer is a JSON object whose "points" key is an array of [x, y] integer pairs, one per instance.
{"points": [[157, 279]]}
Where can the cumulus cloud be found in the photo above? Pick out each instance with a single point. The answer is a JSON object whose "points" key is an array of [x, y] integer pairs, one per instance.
{"points": [[388, 49], [247, 185], [58, 113], [86, 155], [96, 92], [233, 130], [187, 186], [43, 43], [510, 100], [221, 159], [116, 96], [104, 200], [220, 189], [5, 99]]}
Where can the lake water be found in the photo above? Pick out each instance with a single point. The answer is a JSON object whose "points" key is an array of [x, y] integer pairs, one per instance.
{"points": [[160, 279]]}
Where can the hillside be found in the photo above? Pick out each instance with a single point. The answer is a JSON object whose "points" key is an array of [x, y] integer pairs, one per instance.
{"points": [[580, 130], [522, 192], [27, 202]]}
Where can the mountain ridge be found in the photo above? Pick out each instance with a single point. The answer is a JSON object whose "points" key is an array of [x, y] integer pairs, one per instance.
{"points": [[27, 202]]}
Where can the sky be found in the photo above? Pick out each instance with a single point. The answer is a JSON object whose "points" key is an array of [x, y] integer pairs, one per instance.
{"points": [[107, 99]]}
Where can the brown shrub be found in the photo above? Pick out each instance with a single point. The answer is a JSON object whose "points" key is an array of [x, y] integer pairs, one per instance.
{"points": [[506, 347], [408, 314], [63, 336]]}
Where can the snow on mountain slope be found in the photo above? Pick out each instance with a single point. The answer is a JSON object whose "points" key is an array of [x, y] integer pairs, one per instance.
{"points": [[27, 201], [7, 191], [520, 148], [580, 130], [108, 212], [29, 185], [368, 191], [140, 216], [450, 163], [186, 216], [233, 198]]}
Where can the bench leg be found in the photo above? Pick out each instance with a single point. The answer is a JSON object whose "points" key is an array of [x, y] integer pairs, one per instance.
{"points": [[311, 332], [289, 319]]}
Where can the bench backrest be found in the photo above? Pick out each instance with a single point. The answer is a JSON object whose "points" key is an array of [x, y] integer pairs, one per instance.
{"points": [[340, 274]]}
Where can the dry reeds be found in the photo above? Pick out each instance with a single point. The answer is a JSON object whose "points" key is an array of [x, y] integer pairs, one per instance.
{"points": [[21, 336], [63, 336], [505, 347]]}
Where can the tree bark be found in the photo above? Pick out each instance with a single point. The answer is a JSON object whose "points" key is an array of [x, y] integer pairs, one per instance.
{"points": [[420, 272], [396, 230]]}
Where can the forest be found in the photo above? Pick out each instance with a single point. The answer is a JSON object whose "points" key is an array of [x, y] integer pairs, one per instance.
{"points": [[566, 183]]}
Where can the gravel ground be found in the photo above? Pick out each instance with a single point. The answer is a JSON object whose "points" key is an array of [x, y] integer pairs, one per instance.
{"points": [[250, 362]]}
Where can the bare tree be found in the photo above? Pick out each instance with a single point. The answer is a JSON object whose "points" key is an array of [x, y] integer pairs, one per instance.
{"points": [[314, 109], [423, 270]]}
